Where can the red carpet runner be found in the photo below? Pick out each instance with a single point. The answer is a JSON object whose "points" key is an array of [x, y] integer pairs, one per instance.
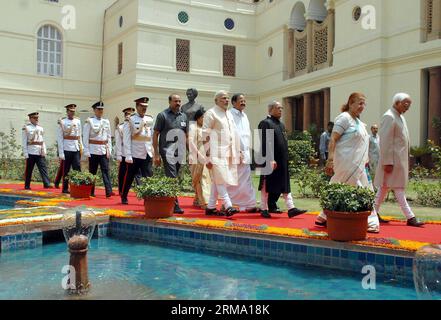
{"points": [[397, 230]]}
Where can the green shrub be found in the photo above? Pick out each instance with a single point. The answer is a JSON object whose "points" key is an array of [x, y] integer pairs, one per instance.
{"points": [[81, 178], [299, 153], [157, 186], [345, 198], [427, 194]]}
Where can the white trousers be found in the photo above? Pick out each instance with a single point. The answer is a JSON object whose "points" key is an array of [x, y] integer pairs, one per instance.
{"points": [[219, 191], [264, 199], [243, 195], [399, 195]]}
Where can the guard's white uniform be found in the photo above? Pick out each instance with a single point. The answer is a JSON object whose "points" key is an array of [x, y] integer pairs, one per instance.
{"points": [[69, 136], [33, 141], [119, 142], [97, 137], [137, 137]]}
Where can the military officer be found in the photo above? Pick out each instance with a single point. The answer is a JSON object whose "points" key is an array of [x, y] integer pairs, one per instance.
{"points": [[97, 141], [119, 150], [137, 135], [34, 150], [69, 142]]}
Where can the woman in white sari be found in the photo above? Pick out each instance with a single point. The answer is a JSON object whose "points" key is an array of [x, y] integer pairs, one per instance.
{"points": [[349, 153]]}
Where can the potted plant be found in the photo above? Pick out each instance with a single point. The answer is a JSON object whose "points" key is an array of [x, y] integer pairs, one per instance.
{"points": [[81, 184], [347, 209], [159, 194]]}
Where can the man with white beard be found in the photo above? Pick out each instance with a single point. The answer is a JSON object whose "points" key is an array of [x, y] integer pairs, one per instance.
{"points": [[218, 129]]}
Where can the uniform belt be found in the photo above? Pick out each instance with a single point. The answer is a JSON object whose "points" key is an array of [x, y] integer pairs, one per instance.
{"points": [[35, 143], [71, 138], [97, 142], [141, 138]]}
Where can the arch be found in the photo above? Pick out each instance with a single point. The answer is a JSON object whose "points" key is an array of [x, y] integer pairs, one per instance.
{"points": [[317, 10], [298, 20], [49, 50]]}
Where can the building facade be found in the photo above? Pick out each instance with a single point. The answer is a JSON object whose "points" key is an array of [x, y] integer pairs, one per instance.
{"points": [[309, 54]]}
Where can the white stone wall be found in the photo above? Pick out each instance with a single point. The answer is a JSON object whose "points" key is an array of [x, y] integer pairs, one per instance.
{"points": [[377, 62]]}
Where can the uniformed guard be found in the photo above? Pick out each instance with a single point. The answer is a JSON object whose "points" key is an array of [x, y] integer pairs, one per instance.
{"points": [[70, 144], [137, 135], [119, 150], [34, 150], [97, 141]]}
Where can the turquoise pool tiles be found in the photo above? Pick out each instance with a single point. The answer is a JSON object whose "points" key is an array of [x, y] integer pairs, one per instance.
{"points": [[399, 268], [21, 241]]}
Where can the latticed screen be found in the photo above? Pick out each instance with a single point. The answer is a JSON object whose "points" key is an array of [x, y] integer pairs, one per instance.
{"points": [[182, 55], [229, 61], [120, 58]]}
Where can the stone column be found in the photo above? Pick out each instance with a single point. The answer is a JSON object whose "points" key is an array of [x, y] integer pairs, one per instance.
{"points": [[434, 103], [331, 35], [287, 114], [326, 107], [436, 21], [310, 47], [307, 103], [289, 53]]}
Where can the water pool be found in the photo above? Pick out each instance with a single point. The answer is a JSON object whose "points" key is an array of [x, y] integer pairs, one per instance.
{"points": [[134, 270]]}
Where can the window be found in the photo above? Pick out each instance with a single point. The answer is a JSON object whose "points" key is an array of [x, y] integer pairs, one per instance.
{"points": [[183, 55], [49, 51], [120, 58], [183, 17], [229, 61], [229, 24]]}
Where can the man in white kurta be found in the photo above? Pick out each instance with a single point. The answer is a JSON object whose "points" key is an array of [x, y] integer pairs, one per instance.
{"points": [[393, 166], [218, 129], [242, 195]]}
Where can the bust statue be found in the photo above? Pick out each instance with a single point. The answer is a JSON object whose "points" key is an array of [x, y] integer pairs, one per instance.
{"points": [[191, 107]]}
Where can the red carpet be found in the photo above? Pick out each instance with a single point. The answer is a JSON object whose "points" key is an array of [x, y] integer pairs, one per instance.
{"points": [[397, 230]]}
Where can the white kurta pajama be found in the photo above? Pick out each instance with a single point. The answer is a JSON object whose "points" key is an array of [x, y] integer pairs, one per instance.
{"points": [[394, 150], [243, 195], [219, 128], [351, 156]]}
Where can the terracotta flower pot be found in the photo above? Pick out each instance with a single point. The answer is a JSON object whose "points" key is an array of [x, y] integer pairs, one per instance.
{"points": [[159, 207], [80, 192], [347, 226]]}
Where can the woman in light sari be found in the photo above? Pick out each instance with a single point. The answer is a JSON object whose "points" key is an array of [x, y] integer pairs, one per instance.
{"points": [[348, 153], [199, 173]]}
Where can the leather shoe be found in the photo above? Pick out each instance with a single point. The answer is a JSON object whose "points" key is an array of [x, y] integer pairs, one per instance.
{"points": [[295, 212], [65, 191], [48, 187], [57, 186], [178, 210], [414, 222], [27, 188], [213, 212], [265, 214], [253, 210], [321, 223], [381, 219], [275, 210], [124, 201], [231, 211], [110, 194]]}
